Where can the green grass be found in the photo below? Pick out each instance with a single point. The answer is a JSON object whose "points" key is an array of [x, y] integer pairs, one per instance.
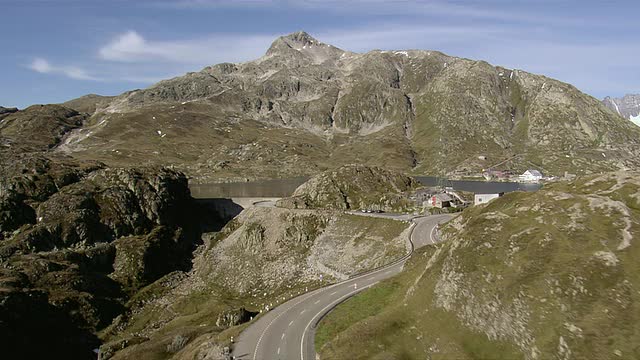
{"points": [[538, 260], [377, 324], [368, 303]]}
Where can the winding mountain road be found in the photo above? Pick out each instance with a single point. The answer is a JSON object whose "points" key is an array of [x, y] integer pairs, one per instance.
{"points": [[287, 331]]}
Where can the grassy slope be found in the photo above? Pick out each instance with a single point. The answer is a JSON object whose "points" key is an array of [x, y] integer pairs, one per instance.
{"points": [[531, 275]]}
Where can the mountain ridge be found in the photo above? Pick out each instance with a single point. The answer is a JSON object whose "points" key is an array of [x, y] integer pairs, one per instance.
{"points": [[627, 106], [425, 111]]}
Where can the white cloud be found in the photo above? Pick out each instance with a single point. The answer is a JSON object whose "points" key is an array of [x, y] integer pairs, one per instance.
{"points": [[131, 57], [44, 67], [394, 36], [40, 65], [133, 47]]}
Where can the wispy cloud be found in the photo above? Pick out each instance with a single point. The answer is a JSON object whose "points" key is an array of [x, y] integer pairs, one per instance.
{"points": [[395, 36], [45, 67], [502, 10]]}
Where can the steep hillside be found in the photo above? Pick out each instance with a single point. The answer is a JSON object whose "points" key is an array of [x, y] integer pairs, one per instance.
{"points": [[353, 187], [550, 274], [307, 106], [628, 106], [260, 259]]}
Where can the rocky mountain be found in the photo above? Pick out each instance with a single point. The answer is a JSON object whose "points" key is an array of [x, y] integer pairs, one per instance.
{"points": [[306, 106], [544, 275], [628, 106], [353, 187]]}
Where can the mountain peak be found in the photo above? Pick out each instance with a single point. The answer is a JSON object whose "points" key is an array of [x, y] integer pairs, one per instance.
{"points": [[305, 44], [300, 37], [296, 40]]}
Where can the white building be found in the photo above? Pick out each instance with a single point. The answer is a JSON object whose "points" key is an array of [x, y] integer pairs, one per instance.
{"points": [[531, 176], [481, 199]]}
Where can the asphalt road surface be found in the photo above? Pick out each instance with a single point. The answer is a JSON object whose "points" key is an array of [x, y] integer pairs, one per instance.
{"points": [[287, 332]]}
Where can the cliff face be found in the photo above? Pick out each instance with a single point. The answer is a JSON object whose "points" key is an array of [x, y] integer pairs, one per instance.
{"points": [[307, 106]]}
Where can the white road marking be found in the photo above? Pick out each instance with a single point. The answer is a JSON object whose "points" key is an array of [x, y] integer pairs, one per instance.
{"points": [[303, 311], [317, 302], [302, 298], [431, 235], [291, 323], [282, 337], [333, 293], [278, 351]]}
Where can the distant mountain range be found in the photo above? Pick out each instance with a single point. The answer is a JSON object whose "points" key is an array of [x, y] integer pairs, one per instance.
{"points": [[306, 106], [628, 106]]}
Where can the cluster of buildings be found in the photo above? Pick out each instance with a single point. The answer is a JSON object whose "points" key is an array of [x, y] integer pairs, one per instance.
{"points": [[435, 197], [532, 176]]}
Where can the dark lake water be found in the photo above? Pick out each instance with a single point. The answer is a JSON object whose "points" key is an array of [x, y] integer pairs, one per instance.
{"points": [[480, 187], [262, 188], [286, 187]]}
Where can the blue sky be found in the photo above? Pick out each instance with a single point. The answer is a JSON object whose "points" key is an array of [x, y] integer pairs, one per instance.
{"points": [[55, 50]]}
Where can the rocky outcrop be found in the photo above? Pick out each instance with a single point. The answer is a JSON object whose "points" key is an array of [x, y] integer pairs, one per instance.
{"points": [[234, 317], [353, 187], [85, 240], [105, 205], [28, 179]]}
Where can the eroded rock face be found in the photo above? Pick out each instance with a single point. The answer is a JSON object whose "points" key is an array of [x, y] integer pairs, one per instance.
{"points": [[105, 205]]}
